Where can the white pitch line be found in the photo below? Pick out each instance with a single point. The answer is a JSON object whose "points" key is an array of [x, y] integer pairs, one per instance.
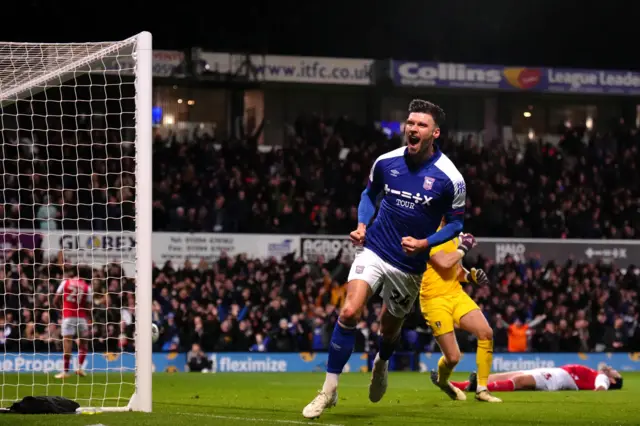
{"points": [[254, 419]]}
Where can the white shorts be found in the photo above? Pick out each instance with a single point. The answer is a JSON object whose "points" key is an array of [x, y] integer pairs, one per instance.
{"points": [[552, 379], [399, 289], [75, 327]]}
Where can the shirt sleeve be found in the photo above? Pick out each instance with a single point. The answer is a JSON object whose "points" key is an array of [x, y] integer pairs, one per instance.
{"points": [[60, 289], [374, 185], [458, 195], [455, 193], [367, 206], [602, 381]]}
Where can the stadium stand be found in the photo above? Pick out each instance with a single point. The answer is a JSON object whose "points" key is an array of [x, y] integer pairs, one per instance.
{"points": [[570, 190], [240, 304], [573, 189]]}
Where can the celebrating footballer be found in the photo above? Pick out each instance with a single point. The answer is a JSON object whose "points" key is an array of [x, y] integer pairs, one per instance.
{"points": [[419, 185]]}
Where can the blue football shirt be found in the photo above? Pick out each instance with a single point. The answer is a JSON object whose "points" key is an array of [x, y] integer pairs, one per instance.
{"points": [[414, 202]]}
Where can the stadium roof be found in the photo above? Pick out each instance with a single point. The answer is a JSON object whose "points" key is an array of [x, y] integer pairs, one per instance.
{"points": [[541, 32]]}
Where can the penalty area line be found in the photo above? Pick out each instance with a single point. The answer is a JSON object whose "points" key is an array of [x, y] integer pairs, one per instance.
{"points": [[254, 419]]}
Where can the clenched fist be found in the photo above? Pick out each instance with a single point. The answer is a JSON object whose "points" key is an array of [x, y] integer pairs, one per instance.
{"points": [[411, 246], [357, 236]]}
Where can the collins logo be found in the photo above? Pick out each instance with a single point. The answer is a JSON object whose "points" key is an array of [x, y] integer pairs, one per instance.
{"points": [[523, 78]]}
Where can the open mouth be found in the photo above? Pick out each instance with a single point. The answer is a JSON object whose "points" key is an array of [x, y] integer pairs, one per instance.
{"points": [[413, 139]]}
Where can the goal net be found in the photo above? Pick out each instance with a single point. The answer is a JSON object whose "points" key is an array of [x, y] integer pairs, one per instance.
{"points": [[75, 164]]}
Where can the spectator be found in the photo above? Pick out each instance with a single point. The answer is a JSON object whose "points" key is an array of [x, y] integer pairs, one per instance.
{"points": [[549, 341], [599, 331], [519, 332], [500, 334], [197, 361], [616, 337], [260, 345], [281, 340]]}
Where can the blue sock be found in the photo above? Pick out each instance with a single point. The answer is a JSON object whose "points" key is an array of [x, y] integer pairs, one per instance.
{"points": [[342, 342], [386, 348]]}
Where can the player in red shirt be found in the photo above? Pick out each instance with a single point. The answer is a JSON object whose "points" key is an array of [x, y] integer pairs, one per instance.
{"points": [[76, 295], [566, 377]]}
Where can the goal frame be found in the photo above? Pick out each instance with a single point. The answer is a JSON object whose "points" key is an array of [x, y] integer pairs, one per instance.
{"points": [[141, 400], [142, 397], [140, 47]]}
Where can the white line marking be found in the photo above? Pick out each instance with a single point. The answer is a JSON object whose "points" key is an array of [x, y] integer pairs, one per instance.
{"points": [[253, 419]]}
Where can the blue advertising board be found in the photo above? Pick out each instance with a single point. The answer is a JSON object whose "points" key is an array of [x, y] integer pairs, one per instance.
{"points": [[264, 362], [280, 363], [540, 79], [241, 362], [526, 361]]}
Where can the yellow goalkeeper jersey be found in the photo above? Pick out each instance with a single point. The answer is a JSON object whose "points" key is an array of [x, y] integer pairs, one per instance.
{"points": [[444, 283]]}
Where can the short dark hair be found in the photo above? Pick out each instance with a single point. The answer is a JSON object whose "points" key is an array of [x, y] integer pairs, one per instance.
{"points": [[71, 270], [426, 107], [83, 272], [617, 385]]}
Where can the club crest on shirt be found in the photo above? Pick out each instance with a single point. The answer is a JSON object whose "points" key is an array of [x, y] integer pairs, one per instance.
{"points": [[359, 269], [438, 324], [428, 183]]}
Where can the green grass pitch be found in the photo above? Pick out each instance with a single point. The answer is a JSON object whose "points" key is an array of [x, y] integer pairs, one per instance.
{"points": [[192, 399]]}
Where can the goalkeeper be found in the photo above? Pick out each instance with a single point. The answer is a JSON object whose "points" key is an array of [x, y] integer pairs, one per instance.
{"points": [[444, 302]]}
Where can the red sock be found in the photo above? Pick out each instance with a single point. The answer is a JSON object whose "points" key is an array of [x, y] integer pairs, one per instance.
{"points": [[67, 361], [82, 355], [502, 386], [460, 385]]}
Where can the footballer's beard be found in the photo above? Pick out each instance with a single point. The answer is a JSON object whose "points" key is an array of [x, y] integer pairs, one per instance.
{"points": [[419, 151]]}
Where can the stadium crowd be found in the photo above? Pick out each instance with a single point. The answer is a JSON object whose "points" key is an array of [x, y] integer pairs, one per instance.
{"points": [[242, 304], [570, 190], [30, 322]]}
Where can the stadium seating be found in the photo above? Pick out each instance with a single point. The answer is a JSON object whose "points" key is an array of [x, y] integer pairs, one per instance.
{"points": [[251, 305], [575, 189], [571, 190]]}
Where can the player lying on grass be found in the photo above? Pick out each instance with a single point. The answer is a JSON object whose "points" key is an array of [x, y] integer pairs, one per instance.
{"points": [[444, 302], [419, 185], [76, 297], [567, 377]]}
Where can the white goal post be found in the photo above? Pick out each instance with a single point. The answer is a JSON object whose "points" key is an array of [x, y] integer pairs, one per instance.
{"points": [[76, 195]]}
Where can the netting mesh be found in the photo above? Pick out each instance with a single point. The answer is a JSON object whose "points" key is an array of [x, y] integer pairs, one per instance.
{"points": [[67, 169]]}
